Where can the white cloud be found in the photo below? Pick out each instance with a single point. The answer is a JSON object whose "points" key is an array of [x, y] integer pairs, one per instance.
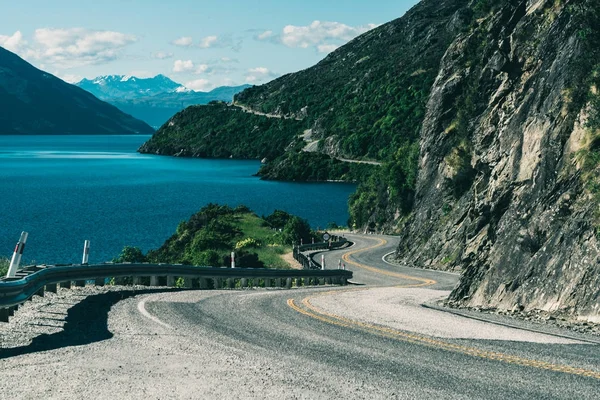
{"points": [[209, 41], [70, 78], [184, 41], [259, 75], [141, 74], [322, 35], [68, 48], [13, 43], [202, 68], [265, 35], [327, 48], [161, 55], [201, 85], [183, 66]]}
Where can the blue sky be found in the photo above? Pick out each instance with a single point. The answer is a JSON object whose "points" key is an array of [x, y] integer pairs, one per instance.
{"points": [[202, 44]]}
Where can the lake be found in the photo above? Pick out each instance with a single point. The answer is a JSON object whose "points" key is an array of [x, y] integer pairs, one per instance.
{"points": [[66, 189]]}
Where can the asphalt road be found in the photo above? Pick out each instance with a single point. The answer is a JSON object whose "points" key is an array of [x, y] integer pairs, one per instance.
{"points": [[369, 341], [370, 360]]}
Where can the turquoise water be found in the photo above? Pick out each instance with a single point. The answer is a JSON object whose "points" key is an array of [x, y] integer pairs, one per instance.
{"points": [[66, 189]]}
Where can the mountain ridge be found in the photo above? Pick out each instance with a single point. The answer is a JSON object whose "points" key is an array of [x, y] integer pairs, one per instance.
{"points": [[153, 100], [36, 102]]}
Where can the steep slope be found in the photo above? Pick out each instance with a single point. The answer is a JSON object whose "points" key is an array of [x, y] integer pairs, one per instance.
{"points": [[35, 102], [508, 179], [487, 117]]}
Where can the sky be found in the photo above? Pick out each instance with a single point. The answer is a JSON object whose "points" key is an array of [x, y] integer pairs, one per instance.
{"points": [[201, 44]]}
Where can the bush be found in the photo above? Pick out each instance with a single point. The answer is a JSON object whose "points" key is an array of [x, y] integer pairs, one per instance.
{"points": [[131, 254]]}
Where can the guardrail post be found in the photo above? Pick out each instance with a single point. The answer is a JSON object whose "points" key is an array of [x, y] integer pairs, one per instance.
{"points": [[3, 314], [17, 254], [66, 284], [230, 283], [244, 283], [170, 281], [86, 252], [12, 310], [233, 259], [51, 288], [218, 283], [40, 292], [136, 280], [288, 283], [278, 282], [203, 283], [328, 280], [80, 283], [267, 282], [154, 281]]}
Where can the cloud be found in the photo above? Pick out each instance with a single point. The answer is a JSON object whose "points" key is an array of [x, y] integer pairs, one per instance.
{"points": [[209, 41], [161, 55], [260, 75], [183, 66], [264, 35], [184, 41], [327, 48], [324, 36], [13, 43], [203, 68], [201, 85], [70, 78], [141, 74], [68, 48]]}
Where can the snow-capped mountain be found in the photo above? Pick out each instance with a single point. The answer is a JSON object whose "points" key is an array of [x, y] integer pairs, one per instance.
{"points": [[153, 100], [110, 87]]}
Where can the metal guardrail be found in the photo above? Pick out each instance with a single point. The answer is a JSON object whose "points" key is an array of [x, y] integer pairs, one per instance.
{"points": [[306, 261], [33, 279]]}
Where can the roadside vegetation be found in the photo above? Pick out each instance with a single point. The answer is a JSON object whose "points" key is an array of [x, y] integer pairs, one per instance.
{"points": [[209, 237], [4, 263]]}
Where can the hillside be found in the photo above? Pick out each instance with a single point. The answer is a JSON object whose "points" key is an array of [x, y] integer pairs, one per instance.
{"points": [[210, 235], [152, 100], [35, 102], [486, 117]]}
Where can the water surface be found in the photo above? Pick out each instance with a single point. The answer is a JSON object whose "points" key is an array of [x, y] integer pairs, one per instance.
{"points": [[65, 189]]}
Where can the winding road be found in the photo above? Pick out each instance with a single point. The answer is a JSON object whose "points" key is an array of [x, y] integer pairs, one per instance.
{"points": [[366, 341]]}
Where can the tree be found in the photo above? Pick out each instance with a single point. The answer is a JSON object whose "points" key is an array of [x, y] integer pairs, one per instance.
{"points": [[131, 254], [295, 229]]}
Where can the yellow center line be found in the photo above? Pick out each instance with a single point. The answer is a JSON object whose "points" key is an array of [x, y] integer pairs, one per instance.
{"points": [[313, 312], [383, 242]]}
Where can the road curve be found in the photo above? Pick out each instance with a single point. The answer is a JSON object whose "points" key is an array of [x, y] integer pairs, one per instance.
{"points": [[371, 340]]}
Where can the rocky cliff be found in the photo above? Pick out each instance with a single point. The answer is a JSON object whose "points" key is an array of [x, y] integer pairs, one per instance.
{"points": [[507, 188]]}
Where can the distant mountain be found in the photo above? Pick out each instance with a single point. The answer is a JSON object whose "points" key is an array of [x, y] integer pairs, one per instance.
{"points": [[153, 100], [111, 87], [35, 102]]}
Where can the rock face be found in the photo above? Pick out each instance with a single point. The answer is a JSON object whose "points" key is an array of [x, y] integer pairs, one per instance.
{"points": [[507, 200], [35, 102]]}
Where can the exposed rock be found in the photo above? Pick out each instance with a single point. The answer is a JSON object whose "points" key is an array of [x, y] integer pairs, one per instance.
{"points": [[523, 229]]}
